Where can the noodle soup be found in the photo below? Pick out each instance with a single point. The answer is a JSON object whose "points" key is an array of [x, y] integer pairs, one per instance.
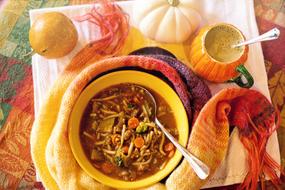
{"points": [[119, 137]]}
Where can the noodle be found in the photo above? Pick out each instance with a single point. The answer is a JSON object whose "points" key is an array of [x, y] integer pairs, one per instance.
{"points": [[99, 142], [122, 136], [130, 149], [108, 112], [109, 151], [145, 113], [106, 98], [143, 163], [161, 144], [89, 136], [112, 116]]}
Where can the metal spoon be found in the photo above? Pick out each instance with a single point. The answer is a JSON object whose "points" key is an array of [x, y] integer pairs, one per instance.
{"points": [[270, 35], [201, 169]]}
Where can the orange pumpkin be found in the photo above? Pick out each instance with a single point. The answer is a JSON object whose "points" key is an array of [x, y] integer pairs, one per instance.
{"points": [[212, 57]]}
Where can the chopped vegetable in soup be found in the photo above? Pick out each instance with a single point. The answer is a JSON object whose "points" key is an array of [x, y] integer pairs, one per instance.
{"points": [[120, 138]]}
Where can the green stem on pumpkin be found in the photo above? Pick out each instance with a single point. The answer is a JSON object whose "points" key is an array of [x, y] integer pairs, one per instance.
{"points": [[238, 80], [173, 3]]}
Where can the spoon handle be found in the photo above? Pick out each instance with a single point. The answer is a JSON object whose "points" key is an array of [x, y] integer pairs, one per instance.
{"points": [[201, 169], [270, 35]]}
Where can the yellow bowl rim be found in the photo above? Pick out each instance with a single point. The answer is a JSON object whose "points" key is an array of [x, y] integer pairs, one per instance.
{"points": [[127, 76]]}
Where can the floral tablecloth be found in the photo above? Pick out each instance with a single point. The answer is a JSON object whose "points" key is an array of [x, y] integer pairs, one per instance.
{"points": [[16, 85]]}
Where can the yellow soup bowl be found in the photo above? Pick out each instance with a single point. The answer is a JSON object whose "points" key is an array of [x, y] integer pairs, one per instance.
{"points": [[135, 77]]}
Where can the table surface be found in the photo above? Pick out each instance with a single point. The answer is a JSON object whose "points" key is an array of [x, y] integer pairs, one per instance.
{"points": [[16, 84]]}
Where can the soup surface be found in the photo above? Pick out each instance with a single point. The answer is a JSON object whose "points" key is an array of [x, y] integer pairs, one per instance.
{"points": [[219, 40], [119, 136]]}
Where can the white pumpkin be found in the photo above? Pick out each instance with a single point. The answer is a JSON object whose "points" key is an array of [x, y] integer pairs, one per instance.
{"points": [[166, 20]]}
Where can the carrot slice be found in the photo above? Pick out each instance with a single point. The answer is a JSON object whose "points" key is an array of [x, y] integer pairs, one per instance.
{"points": [[171, 153], [139, 142], [133, 123], [168, 147], [116, 138], [107, 167], [125, 149]]}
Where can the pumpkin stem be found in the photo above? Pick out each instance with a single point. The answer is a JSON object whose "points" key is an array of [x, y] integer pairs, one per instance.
{"points": [[173, 3], [238, 80]]}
